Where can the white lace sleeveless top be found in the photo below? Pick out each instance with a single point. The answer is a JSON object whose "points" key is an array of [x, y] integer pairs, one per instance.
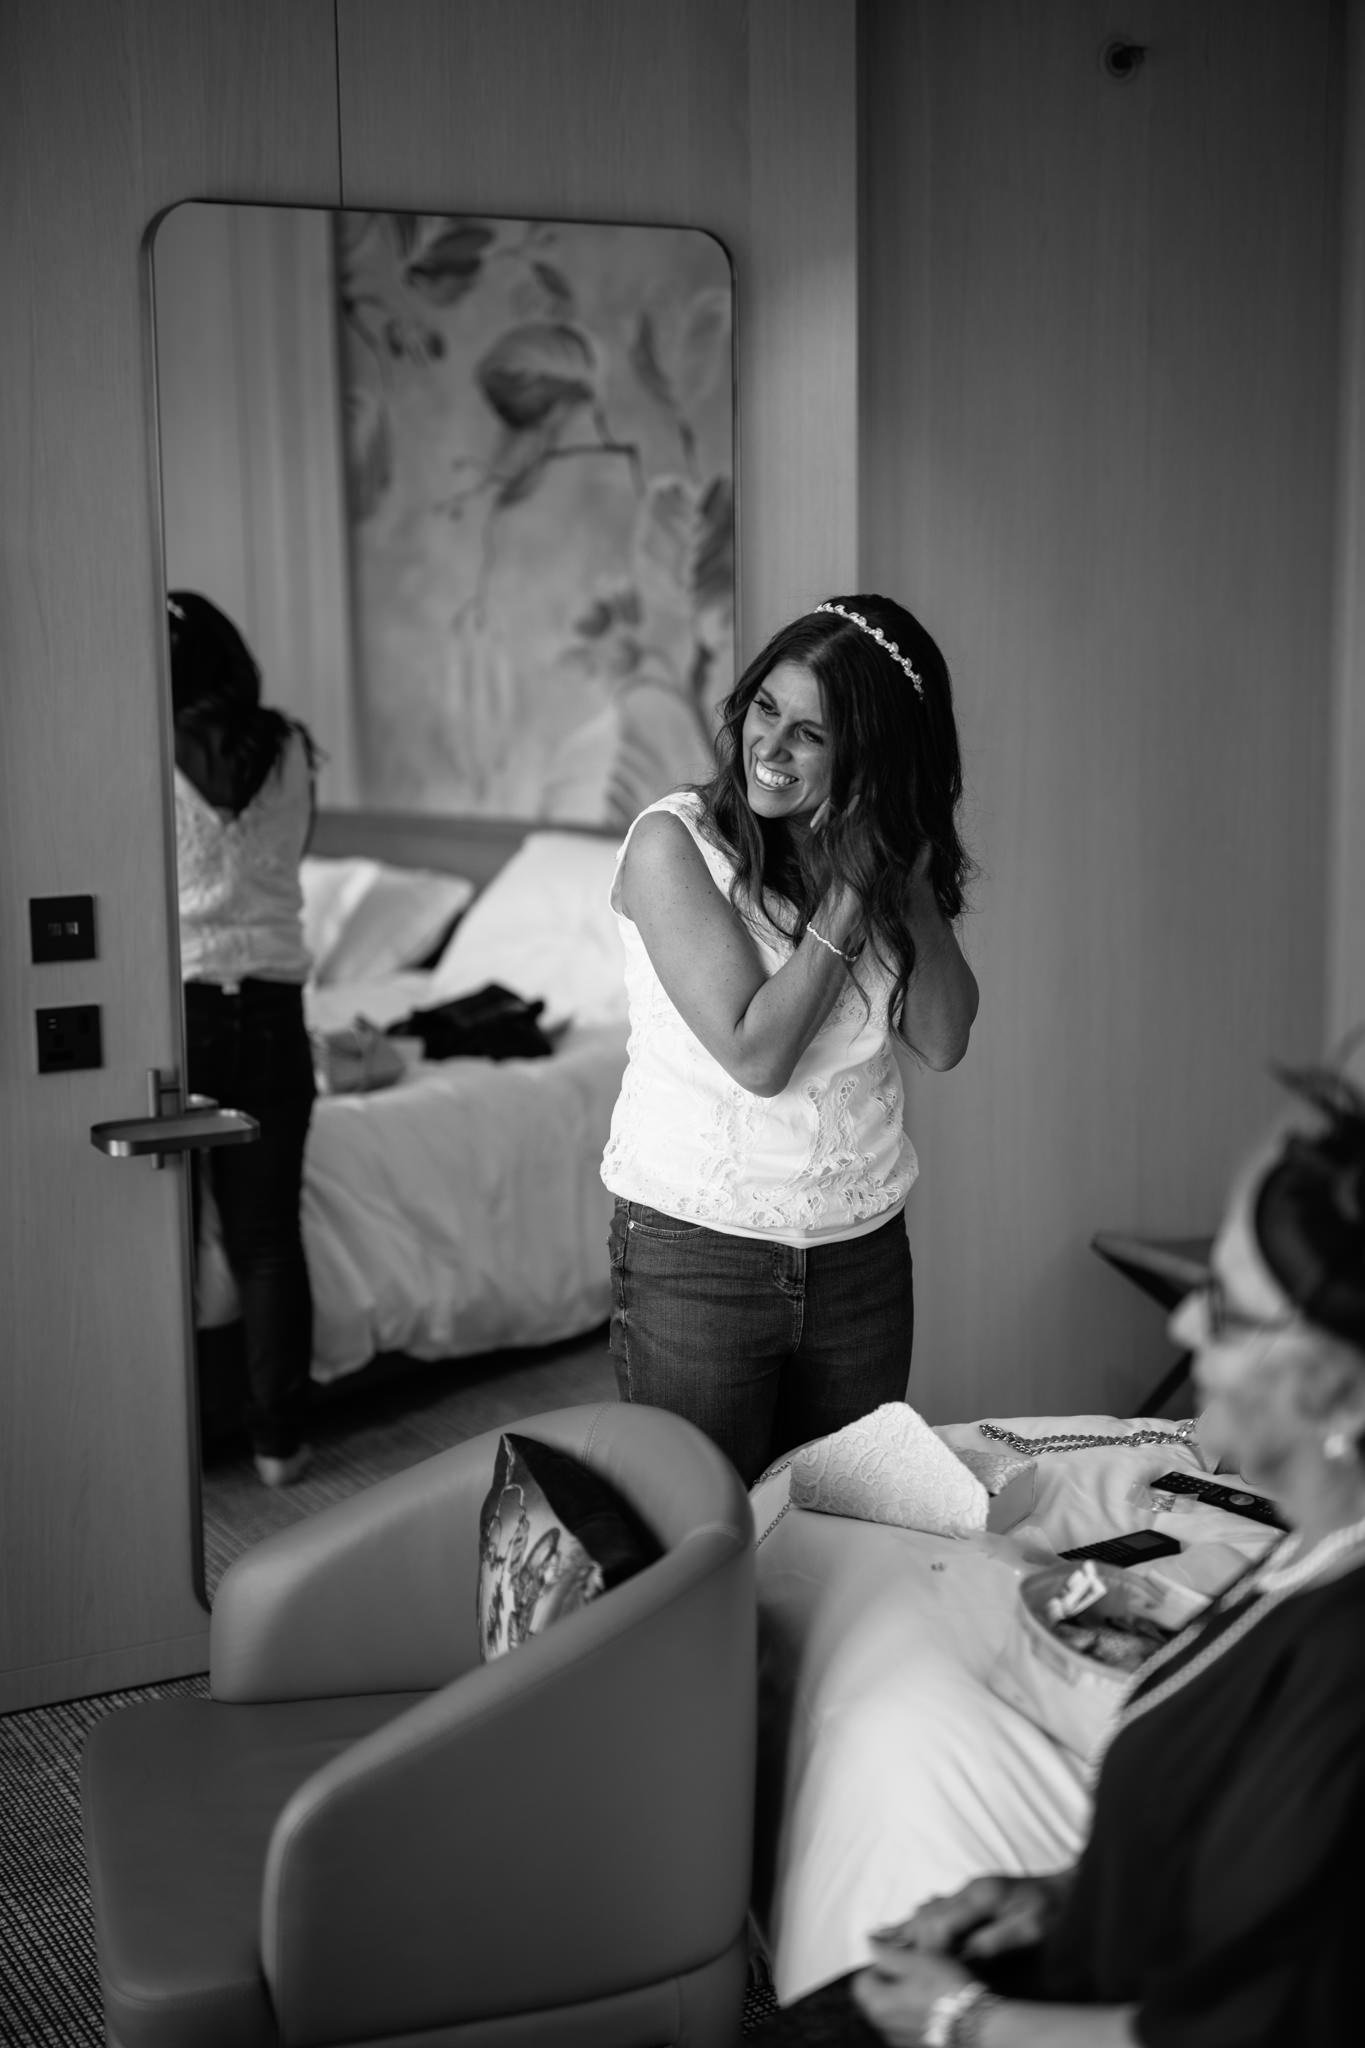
{"points": [[241, 901], [826, 1159]]}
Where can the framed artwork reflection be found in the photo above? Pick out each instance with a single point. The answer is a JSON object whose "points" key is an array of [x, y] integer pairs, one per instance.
{"points": [[539, 510], [466, 485]]}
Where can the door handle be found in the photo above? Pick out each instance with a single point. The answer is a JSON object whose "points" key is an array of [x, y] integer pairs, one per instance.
{"points": [[199, 1124]]}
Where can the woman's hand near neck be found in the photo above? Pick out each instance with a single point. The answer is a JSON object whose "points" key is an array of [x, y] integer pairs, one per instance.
{"points": [[756, 1024], [839, 912]]}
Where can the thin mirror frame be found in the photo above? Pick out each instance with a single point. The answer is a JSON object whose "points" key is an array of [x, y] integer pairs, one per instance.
{"points": [[492, 822]]}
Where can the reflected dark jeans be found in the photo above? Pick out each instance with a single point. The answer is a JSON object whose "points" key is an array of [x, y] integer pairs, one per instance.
{"points": [[249, 1050], [763, 1345]]}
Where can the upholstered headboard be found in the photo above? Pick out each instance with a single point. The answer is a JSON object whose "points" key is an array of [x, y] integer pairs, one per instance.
{"points": [[476, 847]]}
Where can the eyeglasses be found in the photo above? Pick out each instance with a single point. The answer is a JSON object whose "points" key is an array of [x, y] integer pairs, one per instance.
{"points": [[1226, 1321]]}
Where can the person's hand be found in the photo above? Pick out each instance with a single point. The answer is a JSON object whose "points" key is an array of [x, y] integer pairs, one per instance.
{"points": [[923, 861], [825, 814], [985, 1918], [899, 1991], [839, 913]]}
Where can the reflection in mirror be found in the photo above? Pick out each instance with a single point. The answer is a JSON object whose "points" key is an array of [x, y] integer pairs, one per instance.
{"points": [[467, 485], [464, 488]]}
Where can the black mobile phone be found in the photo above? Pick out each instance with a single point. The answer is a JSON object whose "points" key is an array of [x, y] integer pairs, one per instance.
{"points": [[1140, 1546]]}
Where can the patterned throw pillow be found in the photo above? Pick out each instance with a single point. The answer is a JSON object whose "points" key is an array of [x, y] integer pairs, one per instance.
{"points": [[553, 1534]]}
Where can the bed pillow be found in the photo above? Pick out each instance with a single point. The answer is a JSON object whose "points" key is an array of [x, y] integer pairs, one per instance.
{"points": [[363, 918], [553, 1534], [544, 927]]}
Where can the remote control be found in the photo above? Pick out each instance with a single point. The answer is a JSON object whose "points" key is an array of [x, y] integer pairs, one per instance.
{"points": [[1236, 1500]]}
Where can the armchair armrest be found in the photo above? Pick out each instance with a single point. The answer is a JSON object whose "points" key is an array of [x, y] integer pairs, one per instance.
{"points": [[622, 1741], [376, 1594]]}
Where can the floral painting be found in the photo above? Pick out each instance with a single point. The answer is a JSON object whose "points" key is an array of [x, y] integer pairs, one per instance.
{"points": [[539, 425]]}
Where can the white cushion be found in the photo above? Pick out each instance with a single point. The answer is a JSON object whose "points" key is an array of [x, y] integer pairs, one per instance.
{"points": [[544, 927], [363, 918]]}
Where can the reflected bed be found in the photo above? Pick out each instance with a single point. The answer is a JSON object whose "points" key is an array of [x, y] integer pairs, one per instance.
{"points": [[459, 1210]]}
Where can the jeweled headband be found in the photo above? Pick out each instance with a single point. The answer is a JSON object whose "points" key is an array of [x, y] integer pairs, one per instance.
{"points": [[887, 646]]}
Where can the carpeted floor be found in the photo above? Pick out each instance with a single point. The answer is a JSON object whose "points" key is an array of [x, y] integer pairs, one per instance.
{"points": [[363, 1433], [49, 1987]]}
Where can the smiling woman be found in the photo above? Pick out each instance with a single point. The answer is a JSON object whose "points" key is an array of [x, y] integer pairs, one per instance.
{"points": [[788, 929]]}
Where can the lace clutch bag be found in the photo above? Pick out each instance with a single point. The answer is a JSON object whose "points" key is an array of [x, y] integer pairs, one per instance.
{"points": [[889, 1466]]}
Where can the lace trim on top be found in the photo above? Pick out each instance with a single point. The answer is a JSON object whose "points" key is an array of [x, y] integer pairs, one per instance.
{"points": [[241, 899], [826, 1158]]}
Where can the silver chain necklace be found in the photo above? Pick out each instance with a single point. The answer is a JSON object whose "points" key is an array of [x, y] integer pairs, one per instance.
{"points": [[1079, 1441]]}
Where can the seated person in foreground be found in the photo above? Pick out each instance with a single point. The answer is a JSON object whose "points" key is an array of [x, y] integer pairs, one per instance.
{"points": [[1214, 1903]]}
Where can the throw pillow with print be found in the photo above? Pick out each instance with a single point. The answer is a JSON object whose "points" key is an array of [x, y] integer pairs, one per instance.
{"points": [[553, 1535]]}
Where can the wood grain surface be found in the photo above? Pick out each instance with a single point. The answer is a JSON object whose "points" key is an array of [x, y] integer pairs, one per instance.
{"points": [[1098, 432], [107, 115]]}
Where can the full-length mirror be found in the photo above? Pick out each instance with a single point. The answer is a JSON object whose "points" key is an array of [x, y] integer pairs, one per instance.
{"points": [[459, 493]]}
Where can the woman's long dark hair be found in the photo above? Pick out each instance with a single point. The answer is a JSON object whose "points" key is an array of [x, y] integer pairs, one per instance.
{"points": [[1309, 1210], [896, 780], [226, 741]]}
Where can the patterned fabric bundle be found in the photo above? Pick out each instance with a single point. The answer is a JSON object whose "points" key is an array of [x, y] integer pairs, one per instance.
{"points": [[890, 1467]]}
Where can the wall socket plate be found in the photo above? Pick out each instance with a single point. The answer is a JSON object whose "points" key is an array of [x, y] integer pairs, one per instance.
{"points": [[69, 1038]]}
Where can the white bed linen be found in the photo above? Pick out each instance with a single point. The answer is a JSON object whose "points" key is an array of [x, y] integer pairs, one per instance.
{"points": [[889, 1771], [462, 1209]]}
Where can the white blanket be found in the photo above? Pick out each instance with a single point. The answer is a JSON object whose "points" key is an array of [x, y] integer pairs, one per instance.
{"points": [[889, 1771], [462, 1209]]}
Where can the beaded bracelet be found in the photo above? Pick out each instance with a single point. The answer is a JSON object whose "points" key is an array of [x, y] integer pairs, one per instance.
{"points": [[954, 2020], [946, 2014], [830, 947], [965, 2031]]}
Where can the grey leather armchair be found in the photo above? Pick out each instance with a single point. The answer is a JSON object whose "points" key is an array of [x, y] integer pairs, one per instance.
{"points": [[368, 1836]]}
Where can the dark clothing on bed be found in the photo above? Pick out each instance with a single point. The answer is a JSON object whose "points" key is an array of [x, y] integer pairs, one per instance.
{"points": [[1219, 1889]]}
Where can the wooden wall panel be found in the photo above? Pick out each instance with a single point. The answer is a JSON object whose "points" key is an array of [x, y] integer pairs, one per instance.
{"points": [[738, 116], [1098, 326], [1095, 442], [248, 391], [107, 115], [1346, 876]]}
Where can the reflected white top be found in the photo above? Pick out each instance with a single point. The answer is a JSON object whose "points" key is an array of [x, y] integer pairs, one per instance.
{"points": [[241, 900], [826, 1159]]}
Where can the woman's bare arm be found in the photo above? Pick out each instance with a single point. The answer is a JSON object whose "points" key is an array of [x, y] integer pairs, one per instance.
{"points": [[755, 1024], [1013, 2024], [942, 1000]]}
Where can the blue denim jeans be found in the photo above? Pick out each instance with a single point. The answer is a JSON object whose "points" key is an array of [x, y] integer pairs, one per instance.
{"points": [[249, 1049], [762, 1345]]}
